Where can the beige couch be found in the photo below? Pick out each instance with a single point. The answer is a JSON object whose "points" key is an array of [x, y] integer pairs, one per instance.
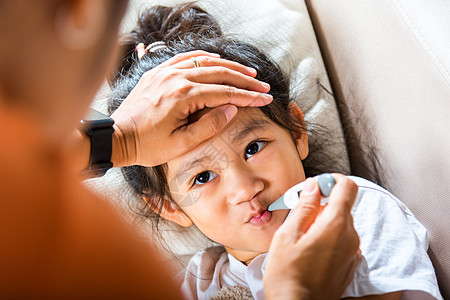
{"points": [[389, 65]]}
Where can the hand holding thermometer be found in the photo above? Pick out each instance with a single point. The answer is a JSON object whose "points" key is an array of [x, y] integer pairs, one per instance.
{"points": [[290, 199]]}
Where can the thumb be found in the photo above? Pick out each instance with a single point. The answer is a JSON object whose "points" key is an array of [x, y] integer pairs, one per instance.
{"points": [[305, 213], [212, 122]]}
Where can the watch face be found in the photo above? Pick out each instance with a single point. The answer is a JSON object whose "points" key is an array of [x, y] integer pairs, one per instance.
{"points": [[96, 119]]}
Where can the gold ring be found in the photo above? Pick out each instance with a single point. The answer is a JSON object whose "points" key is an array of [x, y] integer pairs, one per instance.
{"points": [[196, 64]]}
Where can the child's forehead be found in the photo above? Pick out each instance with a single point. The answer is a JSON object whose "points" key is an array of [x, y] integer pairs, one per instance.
{"points": [[247, 121], [244, 115], [248, 118]]}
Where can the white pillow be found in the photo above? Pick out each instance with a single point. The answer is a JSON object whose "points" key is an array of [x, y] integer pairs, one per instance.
{"points": [[283, 30]]}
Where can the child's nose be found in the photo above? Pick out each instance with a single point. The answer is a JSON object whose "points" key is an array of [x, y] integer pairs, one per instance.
{"points": [[244, 186]]}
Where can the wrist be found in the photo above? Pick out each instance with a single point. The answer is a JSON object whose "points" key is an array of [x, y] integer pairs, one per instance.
{"points": [[287, 294], [122, 148], [287, 291]]}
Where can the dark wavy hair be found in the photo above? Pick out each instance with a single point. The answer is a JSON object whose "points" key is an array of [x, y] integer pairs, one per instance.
{"points": [[184, 28]]}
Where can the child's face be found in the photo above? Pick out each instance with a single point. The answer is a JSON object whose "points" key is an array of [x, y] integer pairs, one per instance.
{"points": [[225, 185]]}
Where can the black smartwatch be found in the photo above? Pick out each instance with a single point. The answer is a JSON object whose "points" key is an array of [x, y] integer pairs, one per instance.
{"points": [[99, 128]]}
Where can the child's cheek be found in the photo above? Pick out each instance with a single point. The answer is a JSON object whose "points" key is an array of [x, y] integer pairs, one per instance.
{"points": [[270, 160], [204, 194], [266, 155]]}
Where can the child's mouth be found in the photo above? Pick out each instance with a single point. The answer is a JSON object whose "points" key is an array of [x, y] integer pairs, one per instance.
{"points": [[261, 218]]}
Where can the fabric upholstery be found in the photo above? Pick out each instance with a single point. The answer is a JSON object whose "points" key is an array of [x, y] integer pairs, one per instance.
{"points": [[389, 65]]}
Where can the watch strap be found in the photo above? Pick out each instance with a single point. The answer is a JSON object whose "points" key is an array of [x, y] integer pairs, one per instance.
{"points": [[99, 128], [101, 150]]}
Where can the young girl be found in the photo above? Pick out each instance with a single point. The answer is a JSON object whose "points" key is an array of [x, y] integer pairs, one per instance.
{"points": [[225, 185]]}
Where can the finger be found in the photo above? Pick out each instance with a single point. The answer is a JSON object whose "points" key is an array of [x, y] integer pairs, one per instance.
{"points": [[186, 56], [306, 211], [223, 75], [212, 95], [208, 61], [208, 125], [343, 194]]}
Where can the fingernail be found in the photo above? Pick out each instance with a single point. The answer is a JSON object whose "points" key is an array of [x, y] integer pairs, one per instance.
{"points": [[215, 54], [251, 70], [268, 97], [310, 186], [230, 112], [265, 84]]}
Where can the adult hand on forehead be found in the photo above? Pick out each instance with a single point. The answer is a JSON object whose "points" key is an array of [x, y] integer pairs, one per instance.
{"points": [[314, 254], [152, 123]]}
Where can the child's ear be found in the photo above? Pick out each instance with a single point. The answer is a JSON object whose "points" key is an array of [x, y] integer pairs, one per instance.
{"points": [[301, 138], [170, 211]]}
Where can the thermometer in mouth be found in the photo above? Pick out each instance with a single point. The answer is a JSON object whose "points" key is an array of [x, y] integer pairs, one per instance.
{"points": [[290, 199]]}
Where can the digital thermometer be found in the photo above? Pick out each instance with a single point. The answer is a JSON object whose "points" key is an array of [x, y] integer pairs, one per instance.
{"points": [[290, 199]]}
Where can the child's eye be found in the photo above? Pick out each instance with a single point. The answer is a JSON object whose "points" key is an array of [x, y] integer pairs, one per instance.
{"points": [[253, 148], [204, 177]]}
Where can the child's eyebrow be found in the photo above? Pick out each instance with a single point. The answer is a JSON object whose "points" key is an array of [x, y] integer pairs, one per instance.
{"points": [[182, 173], [259, 124]]}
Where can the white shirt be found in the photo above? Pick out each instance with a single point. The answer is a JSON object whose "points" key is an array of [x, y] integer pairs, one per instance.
{"points": [[393, 243]]}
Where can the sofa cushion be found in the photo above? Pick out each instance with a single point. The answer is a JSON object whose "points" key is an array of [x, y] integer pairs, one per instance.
{"points": [[389, 64]]}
